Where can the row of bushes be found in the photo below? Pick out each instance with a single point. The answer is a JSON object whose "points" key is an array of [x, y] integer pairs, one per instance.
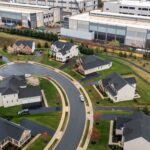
{"points": [[31, 33]]}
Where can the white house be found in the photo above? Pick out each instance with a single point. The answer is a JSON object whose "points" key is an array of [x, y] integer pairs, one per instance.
{"points": [[64, 51], [134, 133], [91, 64], [117, 88], [14, 91]]}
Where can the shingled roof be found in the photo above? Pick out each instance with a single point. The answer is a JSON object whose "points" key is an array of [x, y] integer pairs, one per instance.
{"points": [[9, 129], [92, 61], [11, 84], [25, 43], [117, 81], [63, 46], [135, 126]]}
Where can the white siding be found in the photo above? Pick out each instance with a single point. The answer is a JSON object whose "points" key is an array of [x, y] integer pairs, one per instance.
{"points": [[30, 100], [137, 144]]}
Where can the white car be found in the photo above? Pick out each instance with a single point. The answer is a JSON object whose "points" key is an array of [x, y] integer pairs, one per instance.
{"points": [[81, 98], [27, 75]]}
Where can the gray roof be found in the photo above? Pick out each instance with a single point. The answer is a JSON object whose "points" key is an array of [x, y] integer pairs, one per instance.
{"points": [[10, 85], [135, 126], [130, 80], [92, 61], [30, 91], [117, 82], [25, 43], [9, 129], [63, 46]]}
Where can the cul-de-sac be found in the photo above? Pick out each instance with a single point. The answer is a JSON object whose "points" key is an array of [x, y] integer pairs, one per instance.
{"points": [[74, 75]]}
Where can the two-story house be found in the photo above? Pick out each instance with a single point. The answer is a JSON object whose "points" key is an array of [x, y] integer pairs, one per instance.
{"points": [[118, 88], [63, 51], [15, 91], [22, 47], [13, 133], [134, 131]]}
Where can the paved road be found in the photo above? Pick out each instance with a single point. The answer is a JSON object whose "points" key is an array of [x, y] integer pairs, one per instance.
{"points": [[36, 128], [74, 130]]}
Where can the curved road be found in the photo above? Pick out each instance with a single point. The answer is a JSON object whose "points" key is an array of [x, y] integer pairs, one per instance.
{"points": [[74, 130]]}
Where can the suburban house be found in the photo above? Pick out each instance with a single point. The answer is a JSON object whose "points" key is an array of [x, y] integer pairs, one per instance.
{"points": [[22, 47], [15, 91], [64, 51], [91, 64], [132, 131], [13, 133], [118, 88]]}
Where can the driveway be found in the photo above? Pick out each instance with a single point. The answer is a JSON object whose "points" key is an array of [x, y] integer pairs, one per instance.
{"points": [[36, 128], [74, 130], [44, 110]]}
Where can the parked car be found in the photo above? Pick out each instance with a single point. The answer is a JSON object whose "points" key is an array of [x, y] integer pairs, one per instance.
{"points": [[81, 98], [27, 75], [24, 112]]}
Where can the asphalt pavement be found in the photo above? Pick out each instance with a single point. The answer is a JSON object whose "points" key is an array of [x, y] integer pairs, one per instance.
{"points": [[77, 117]]}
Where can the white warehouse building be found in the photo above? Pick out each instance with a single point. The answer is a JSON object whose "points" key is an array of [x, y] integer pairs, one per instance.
{"points": [[104, 27], [131, 7], [72, 6], [28, 15]]}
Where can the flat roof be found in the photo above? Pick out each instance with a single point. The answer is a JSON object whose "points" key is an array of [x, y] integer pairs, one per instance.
{"points": [[141, 3], [18, 10], [10, 4], [114, 19]]}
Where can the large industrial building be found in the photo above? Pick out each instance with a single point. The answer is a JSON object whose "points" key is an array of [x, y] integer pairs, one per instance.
{"points": [[131, 7], [131, 30], [72, 6], [28, 15]]}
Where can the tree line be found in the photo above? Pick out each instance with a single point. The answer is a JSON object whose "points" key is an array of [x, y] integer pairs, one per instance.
{"points": [[31, 33]]}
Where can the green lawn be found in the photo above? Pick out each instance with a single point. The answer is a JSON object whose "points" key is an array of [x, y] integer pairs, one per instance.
{"points": [[51, 93], [50, 120], [102, 144], [73, 73], [39, 144], [114, 112], [10, 112]]}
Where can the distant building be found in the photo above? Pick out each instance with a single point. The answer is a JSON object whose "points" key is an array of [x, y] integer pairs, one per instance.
{"points": [[22, 47], [91, 64], [29, 16], [14, 91], [129, 30], [64, 51], [130, 7], [118, 88], [133, 131], [71, 6], [13, 133]]}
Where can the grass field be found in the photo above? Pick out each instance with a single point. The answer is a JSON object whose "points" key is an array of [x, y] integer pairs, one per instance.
{"points": [[51, 93], [102, 144], [50, 120], [39, 144]]}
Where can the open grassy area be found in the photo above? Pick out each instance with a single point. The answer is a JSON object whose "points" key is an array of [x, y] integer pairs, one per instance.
{"points": [[51, 93], [10, 112], [50, 120], [114, 112], [39, 144], [102, 144]]}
